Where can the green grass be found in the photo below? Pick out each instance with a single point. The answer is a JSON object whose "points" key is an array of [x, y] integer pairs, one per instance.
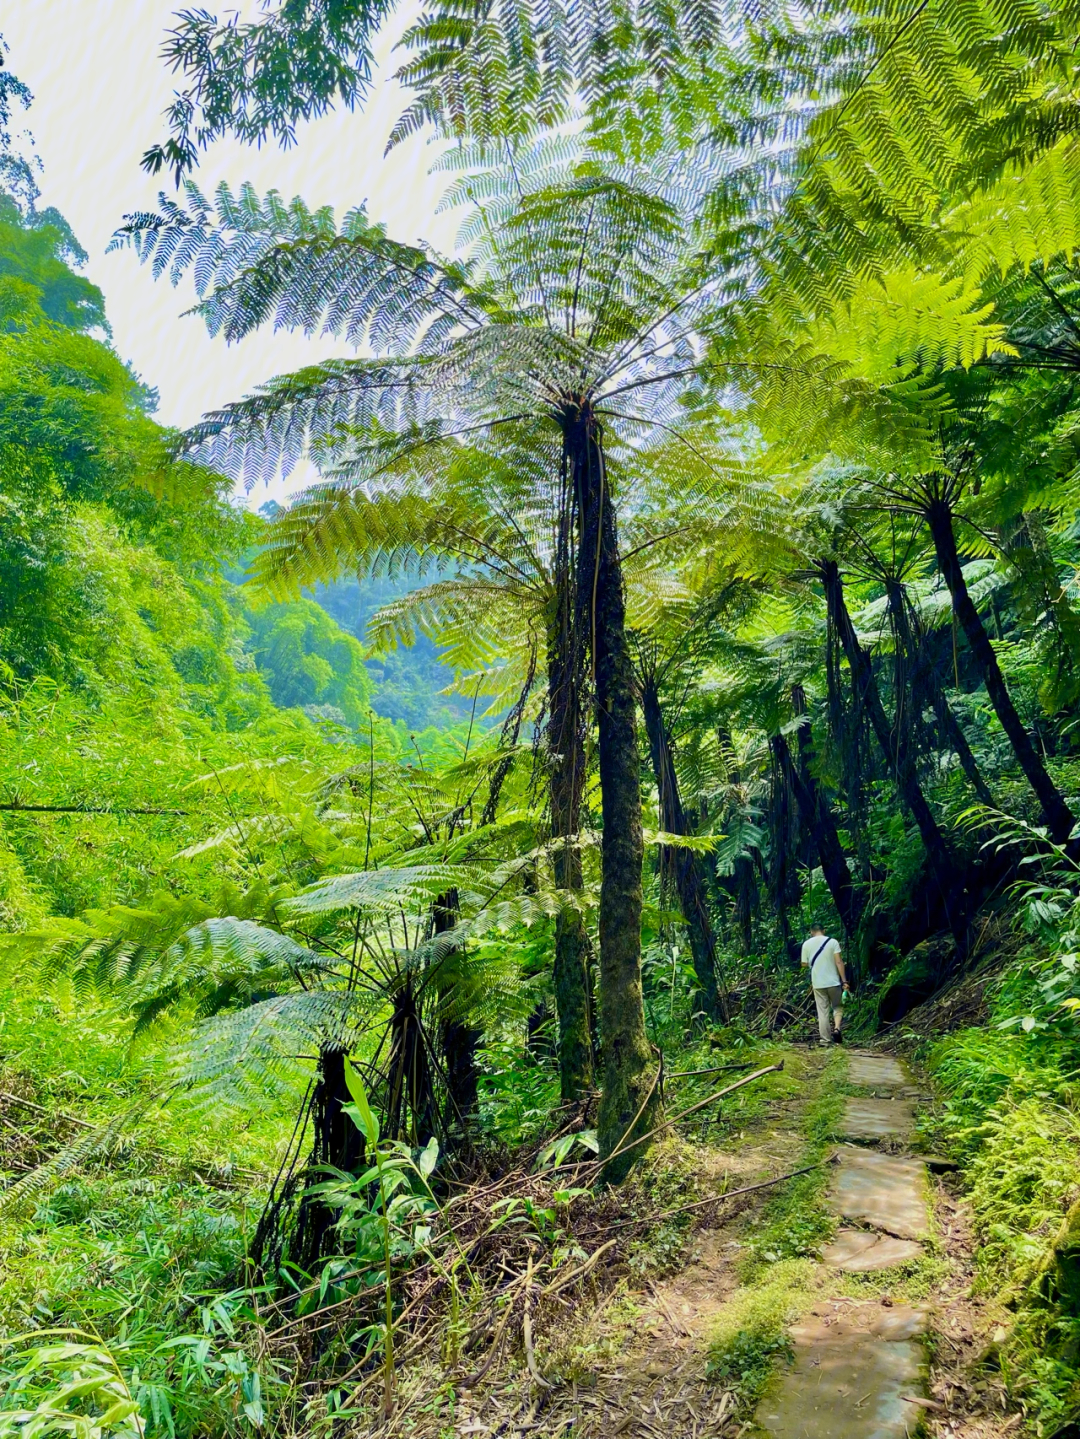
{"points": [[749, 1340], [795, 1221]]}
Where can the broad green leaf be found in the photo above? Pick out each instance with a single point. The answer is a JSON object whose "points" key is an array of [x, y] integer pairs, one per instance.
{"points": [[370, 1123]]}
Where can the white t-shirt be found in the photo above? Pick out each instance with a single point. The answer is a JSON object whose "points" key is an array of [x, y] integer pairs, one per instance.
{"points": [[823, 973]]}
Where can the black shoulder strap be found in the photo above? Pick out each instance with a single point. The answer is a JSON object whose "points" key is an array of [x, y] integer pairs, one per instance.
{"points": [[824, 942]]}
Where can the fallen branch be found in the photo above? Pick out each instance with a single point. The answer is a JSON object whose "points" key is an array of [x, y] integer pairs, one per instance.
{"points": [[717, 1069], [526, 1328], [580, 1272], [40, 1109], [719, 1198], [496, 1344], [599, 1164]]}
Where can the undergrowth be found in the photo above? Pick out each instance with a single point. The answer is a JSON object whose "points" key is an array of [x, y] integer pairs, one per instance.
{"points": [[750, 1337], [1009, 1113]]}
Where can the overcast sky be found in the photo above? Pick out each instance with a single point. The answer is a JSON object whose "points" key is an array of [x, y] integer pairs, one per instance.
{"points": [[99, 92]]}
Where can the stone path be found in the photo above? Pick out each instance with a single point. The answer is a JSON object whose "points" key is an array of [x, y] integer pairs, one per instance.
{"points": [[859, 1363]]}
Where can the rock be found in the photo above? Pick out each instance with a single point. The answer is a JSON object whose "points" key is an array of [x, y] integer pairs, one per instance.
{"points": [[938, 1164], [860, 1251], [876, 1071], [877, 1119], [855, 1365], [884, 1190]]}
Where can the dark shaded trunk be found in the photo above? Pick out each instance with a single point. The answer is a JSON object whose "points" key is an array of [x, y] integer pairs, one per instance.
{"points": [[629, 1099], [893, 742], [818, 820], [818, 817], [926, 689], [458, 1041], [410, 1107], [682, 864], [1056, 814], [566, 782], [508, 740], [847, 729], [746, 902], [538, 1032], [785, 833], [741, 884], [337, 1143]]}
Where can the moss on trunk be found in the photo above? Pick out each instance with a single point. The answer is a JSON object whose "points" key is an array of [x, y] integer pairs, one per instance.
{"points": [[566, 781], [630, 1099]]}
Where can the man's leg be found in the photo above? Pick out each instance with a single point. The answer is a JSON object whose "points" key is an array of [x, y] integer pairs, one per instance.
{"points": [[824, 1015], [836, 1000]]}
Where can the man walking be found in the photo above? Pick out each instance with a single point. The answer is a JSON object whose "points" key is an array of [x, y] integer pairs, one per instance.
{"points": [[821, 955]]}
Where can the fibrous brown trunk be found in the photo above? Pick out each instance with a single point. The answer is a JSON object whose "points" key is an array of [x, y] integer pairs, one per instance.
{"points": [[566, 781], [682, 864], [629, 1099], [1057, 816]]}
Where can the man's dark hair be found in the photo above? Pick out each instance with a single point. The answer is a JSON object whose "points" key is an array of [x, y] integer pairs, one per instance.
{"points": [[819, 928]]}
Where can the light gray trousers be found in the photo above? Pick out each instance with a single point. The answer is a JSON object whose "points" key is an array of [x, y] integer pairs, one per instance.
{"points": [[829, 1009]]}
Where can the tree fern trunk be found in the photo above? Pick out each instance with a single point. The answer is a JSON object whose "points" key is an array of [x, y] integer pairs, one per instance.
{"points": [[458, 1042], [893, 743], [1057, 816], [337, 1142], [410, 1108], [682, 864], [846, 729], [819, 818], [926, 688], [629, 1099], [566, 758], [785, 832]]}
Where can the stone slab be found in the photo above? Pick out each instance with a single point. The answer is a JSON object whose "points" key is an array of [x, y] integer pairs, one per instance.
{"points": [[878, 1119], [885, 1191], [861, 1251], [939, 1164], [853, 1366], [876, 1071]]}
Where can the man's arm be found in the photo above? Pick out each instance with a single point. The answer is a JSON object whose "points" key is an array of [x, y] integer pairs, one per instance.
{"points": [[841, 970]]}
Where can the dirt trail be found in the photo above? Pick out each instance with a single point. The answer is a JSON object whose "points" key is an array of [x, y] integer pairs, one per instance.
{"points": [[869, 1365], [896, 1332], [639, 1362]]}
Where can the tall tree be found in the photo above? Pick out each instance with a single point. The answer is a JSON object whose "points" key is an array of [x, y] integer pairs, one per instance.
{"points": [[590, 288]]}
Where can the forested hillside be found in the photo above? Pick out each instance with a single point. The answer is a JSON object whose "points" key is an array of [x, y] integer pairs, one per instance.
{"points": [[406, 1025]]}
